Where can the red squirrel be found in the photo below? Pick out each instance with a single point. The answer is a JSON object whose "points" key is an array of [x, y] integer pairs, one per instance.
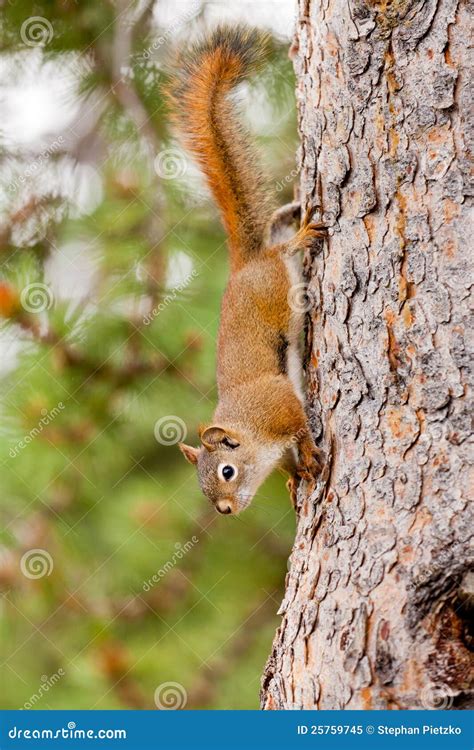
{"points": [[260, 422]]}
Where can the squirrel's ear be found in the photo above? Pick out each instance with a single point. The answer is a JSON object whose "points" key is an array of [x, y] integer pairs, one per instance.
{"points": [[191, 454], [213, 436]]}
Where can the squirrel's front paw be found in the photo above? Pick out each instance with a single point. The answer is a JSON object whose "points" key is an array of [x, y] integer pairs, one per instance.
{"points": [[311, 465]]}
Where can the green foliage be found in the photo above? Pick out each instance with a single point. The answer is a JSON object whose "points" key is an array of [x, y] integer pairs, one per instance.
{"points": [[118, 346]]}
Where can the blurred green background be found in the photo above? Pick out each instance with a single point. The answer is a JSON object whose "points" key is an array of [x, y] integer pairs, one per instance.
{"points": [[113, 265]]}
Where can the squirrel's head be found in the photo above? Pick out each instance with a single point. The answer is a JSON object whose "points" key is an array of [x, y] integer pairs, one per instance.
{"points": [[226, 468]]}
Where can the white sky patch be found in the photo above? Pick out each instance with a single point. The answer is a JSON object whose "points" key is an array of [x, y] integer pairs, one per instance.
{"points": [[39, 100], [83, 185], [170, 15], [43, 111], [31, 112], [72, 271], [180, 267], [275, 15], [11, 346]]}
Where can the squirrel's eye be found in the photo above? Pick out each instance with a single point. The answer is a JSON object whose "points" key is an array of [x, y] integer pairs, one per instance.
{"points": [[227, 472]]}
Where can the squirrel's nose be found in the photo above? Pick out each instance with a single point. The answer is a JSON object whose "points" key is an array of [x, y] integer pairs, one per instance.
{"points": [[223, 507]]}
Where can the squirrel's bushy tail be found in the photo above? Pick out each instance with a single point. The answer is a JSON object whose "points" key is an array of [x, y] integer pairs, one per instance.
{"points": [[212, 131]]}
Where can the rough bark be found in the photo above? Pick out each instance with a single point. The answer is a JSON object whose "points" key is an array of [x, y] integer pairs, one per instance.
{"points": [[379, 594]]}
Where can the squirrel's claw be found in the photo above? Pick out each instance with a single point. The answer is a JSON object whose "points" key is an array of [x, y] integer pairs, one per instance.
{"points": [[292, 487], [306, 236], [304, 473], [314, 230]]}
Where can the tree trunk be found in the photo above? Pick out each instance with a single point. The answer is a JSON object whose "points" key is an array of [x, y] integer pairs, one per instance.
{"points": [[379, 593]]}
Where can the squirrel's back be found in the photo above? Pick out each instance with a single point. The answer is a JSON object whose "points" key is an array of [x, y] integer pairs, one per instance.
{"points": [[212, 131]]}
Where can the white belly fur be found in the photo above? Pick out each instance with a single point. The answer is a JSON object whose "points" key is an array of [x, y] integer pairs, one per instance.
{"points": [[295, 372]]}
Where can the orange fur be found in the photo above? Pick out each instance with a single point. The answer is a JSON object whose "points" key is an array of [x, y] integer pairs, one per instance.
{"points": [[210, 127]]}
